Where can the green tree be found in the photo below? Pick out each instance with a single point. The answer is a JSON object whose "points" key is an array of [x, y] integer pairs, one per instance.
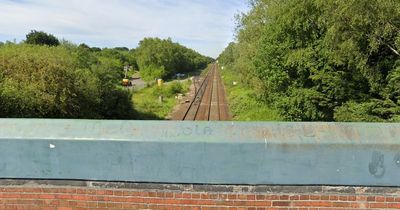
{"points": [[322, 59], [163, 58], [41, 38]]}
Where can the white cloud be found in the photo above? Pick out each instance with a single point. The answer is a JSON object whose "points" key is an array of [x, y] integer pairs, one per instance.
{"points": [[206, 26]]}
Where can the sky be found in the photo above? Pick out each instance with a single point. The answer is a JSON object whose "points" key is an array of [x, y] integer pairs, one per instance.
{"points": [[206, 26]]}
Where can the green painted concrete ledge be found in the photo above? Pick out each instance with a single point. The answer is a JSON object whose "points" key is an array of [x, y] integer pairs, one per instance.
{"points": [[357, 154]]}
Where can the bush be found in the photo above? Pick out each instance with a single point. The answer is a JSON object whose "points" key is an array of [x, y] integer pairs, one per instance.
{"points": [[51, 82], [39, 81], [168, 90], [174, 88], [372, 111]]}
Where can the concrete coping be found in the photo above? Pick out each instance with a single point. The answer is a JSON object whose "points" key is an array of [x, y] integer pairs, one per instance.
{"points": [[210, 132]]}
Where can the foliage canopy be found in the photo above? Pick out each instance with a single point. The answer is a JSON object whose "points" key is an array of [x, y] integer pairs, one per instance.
{"points": [[157, 58], [41, 38], [321, 60]]}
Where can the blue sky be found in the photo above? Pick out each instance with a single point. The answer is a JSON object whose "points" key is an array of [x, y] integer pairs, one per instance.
{"points": [[204, 25]]}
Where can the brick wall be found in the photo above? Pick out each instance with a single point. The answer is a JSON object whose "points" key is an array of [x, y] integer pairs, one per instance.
{"points": [[68, 195]]}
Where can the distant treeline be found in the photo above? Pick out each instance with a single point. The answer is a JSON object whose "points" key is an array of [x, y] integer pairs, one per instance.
{"points": [[158, 58], [321, 60], [44, 77]]}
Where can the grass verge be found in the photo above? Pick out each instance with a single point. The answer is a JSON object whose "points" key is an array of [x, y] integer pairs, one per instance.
{"points": [[243, 103], [147, 103]]}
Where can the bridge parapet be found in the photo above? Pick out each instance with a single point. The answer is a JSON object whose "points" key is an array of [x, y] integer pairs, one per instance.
{"points": [[355, 154]]}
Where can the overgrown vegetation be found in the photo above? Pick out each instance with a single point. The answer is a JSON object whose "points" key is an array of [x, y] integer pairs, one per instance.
{"points": [[60, 82], [321, 60], [243, 102], [42, 79], [147, 101]]}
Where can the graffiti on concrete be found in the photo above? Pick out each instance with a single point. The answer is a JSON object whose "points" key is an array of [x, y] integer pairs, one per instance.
{"points": [[377, 165]]}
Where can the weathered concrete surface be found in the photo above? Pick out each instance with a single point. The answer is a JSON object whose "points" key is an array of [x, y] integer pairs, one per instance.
{"points": [[201, 152], [240, 189]]}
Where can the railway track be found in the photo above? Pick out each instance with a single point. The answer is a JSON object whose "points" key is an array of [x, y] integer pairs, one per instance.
{"points": [[209, 102]]}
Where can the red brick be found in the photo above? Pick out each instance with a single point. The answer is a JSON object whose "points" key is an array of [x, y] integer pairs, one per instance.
{"points": [[47, 196], [393, 205], [271, 197], [357, 205], [97, 199], [280, 203], [377, 205], [341, 204], [194, 195], [325, 197], [50, 190], [232, 196], [251, 197], [67, 190], [33, 190], [284, 197], [153, 194], [312, 204], [262, 203], [186, 195], [102, 205], [380, 199], [121, 193], [81, 191], [242, 197], [10, 195], [260, 197], [389, 199], [172, 201], [204, 196], [370, 198], [333, 197], [304, 197], [81, 197], [223, 196], [361, 198], [351, 198], [170, 195]]}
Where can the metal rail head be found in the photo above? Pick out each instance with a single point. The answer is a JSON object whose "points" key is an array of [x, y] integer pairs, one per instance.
{"points": [[199, 95]]}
